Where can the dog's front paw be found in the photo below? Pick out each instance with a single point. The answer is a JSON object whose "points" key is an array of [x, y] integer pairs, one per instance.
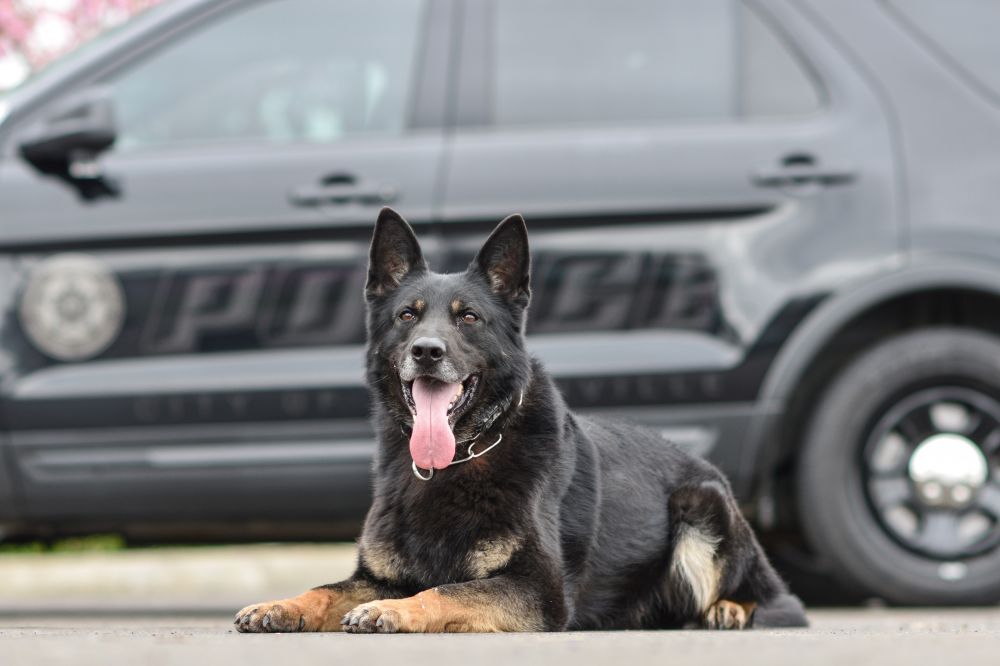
{"points": [[728, 615], [378, 617], [273, 616]]}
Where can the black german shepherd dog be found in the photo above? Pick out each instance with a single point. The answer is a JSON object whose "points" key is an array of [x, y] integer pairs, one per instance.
{"points": [[498, 509]]}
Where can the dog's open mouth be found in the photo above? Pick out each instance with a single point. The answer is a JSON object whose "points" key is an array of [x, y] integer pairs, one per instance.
{"points": [[459, 403], [436, 407]]}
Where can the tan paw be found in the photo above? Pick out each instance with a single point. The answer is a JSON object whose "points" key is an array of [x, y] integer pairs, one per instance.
{"points": [[272, 616], [379, 617], [728, 615]]}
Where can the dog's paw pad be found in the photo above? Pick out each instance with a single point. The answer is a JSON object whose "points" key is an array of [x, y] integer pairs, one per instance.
{"points": [[725, 614], [371, 618], [271, 617]]}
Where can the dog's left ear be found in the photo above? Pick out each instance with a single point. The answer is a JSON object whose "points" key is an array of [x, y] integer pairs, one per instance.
{"points": [[506, 262]]}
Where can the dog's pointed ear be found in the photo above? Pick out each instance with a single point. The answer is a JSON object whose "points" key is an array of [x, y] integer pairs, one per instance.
{"points": [[394, 254], [506, 261]]}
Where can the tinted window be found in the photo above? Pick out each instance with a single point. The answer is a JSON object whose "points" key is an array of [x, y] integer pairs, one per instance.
{"points": [[284, 70], [635, 61], [968, 31]]}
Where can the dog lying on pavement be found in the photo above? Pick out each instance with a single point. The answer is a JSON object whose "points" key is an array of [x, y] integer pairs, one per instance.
{"points": [[496, 508]]}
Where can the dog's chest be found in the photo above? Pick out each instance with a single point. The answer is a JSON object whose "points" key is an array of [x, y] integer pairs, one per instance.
{"points": [[435, 563]]}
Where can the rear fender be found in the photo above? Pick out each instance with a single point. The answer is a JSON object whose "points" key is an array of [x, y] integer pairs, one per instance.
{"points": [[762, 446]]}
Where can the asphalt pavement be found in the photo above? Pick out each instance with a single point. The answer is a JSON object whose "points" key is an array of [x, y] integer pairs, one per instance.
{"points": [[851, 637], [175, 606]]}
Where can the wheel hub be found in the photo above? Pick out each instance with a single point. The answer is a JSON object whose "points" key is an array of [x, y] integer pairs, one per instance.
{"points": [[947, 470], [932, 472]]}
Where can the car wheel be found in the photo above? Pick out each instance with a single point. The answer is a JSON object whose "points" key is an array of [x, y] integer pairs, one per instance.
{"points": [[899, 479]]}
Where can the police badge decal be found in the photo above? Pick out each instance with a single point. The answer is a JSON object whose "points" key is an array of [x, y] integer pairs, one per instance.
{"points": [[72, 307]]}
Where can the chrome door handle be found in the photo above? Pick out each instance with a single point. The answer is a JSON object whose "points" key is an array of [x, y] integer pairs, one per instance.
{"points": [[343, 189], [795, 175]]}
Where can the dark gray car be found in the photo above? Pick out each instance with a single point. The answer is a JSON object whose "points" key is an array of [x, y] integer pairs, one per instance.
{"points": [[766, 228]]}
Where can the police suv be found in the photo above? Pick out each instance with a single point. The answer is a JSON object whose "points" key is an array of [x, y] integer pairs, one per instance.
{"points": [[767, 228]]}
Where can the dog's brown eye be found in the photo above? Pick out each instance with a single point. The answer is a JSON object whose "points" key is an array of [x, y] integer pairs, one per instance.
{"points": [[407, 315], [470, 317]]}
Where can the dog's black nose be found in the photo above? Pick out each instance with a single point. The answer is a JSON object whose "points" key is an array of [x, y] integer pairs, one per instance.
{"points": [[428, 350]]}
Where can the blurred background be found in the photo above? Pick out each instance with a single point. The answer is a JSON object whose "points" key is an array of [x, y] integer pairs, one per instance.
{"points": [[765, 228], [33, 33]]}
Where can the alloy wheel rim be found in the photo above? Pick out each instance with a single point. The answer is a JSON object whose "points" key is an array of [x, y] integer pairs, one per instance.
{"points": [[931, 472]]}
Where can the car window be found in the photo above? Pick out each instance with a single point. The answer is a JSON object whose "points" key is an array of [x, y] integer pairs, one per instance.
{"points": [[964, 30], [640, 61], [279, 71]]}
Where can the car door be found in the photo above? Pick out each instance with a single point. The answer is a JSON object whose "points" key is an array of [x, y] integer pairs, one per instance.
{"points": [[694, 175], [189, 347]]}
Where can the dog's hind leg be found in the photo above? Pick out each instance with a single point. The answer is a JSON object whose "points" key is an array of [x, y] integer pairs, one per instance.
{"points": [[718, 577]]}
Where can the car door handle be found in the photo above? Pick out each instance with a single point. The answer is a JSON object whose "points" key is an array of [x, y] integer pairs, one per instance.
{"points": [[794, 175], [342, 189]]}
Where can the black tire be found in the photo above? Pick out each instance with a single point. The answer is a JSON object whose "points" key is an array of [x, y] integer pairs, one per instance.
{"points": [[839, 516]]}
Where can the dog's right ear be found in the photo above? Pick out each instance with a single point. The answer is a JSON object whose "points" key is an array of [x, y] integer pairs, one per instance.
{"points": [[394, 254]]}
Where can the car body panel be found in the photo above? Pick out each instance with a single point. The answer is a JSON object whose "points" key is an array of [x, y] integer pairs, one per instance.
{"points": [[949, 140]]}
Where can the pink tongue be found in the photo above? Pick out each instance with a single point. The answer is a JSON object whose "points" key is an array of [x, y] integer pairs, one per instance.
{"points": [[432, 443]]}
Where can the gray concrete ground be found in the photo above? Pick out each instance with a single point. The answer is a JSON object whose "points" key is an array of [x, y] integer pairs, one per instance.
{"points": [[174, 606], [852, 637]]}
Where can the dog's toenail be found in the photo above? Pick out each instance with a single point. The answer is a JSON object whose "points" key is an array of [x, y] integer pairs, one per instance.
{"points": [[302, 622]]}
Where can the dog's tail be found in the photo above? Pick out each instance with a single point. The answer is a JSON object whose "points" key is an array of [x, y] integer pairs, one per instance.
{"points": [[785, 610]]}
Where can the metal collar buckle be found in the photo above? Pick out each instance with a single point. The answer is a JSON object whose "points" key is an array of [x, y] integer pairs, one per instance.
{"points": [[472, 443], [472, 454]]}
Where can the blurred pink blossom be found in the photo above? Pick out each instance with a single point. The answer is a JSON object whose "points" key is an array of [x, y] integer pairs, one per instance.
{"points": [[20, 21]]}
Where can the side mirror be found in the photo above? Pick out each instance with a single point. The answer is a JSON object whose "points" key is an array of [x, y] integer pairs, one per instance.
{"points": [[66, 145]]}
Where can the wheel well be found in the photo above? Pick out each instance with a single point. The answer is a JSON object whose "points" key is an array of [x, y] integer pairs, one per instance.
{"points": [[965, 308]]}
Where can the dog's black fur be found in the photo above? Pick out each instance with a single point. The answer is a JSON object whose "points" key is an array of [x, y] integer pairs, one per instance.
{"points": [[568, 523]]}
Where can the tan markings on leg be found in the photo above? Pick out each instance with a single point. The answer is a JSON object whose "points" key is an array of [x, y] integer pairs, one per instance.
{"points": [[382, 560], [724, 614], [694, 563], [490, 555], [319, 609], [432, 612]]}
